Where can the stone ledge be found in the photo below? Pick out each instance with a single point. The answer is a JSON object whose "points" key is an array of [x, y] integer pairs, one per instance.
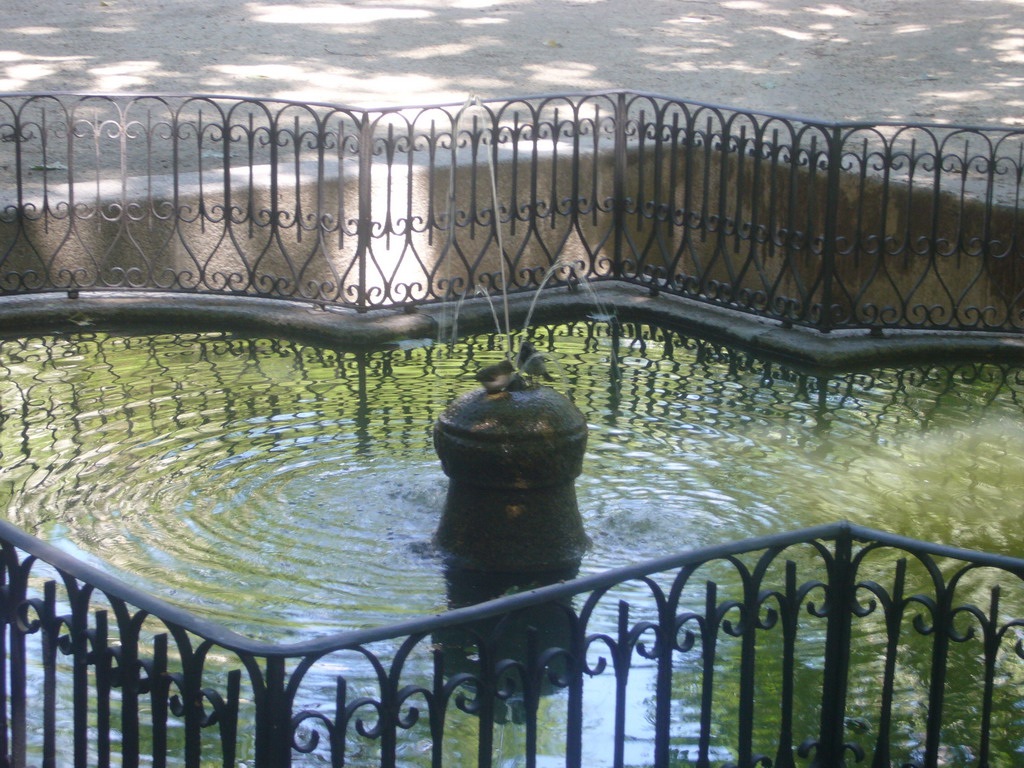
{"points": [[150, 311]]}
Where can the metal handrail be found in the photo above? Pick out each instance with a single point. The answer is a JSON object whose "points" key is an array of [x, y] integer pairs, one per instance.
{"points": [[828, 573], [816, 223], [229, 640]]}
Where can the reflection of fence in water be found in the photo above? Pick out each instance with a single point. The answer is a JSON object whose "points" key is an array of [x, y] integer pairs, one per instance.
{"points": [[709, 655], [42, 407], [753, 384], [50, 420], [832, 225]]}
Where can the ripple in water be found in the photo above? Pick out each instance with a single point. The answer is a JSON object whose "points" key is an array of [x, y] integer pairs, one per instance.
{"points": [[291, 491]]}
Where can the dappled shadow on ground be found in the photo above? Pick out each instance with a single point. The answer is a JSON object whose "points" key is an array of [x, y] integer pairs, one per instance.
{"points": [[960, 62]]}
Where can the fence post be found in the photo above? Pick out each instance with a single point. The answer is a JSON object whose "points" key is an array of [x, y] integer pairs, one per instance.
{"points": [[830, 748], [364, 225], [831, 228], [619, 183], [273, 718]]}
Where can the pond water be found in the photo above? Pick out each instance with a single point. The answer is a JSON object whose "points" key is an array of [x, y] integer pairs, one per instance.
{"points": [[291, 491], [212, 468]]}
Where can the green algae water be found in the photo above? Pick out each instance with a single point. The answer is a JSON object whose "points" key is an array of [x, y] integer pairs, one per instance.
{"points": [[290, 491]]}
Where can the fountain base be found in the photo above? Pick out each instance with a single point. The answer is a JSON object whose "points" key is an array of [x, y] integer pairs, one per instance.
{"points": [[512, 458]]}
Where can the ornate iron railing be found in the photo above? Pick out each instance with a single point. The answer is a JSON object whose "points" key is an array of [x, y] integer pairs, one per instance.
{"points": [[831, 225], [826, 647]]}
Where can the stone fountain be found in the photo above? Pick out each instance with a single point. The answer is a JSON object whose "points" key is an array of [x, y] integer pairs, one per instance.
{"points": [[512, 452]]}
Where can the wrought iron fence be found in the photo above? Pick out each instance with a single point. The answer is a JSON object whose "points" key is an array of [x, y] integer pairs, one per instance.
{"points": [[830, 225], [825, 647]]}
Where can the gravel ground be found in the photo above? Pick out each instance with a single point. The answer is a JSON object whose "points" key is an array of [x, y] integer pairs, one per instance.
{"points": [[959, 61]]}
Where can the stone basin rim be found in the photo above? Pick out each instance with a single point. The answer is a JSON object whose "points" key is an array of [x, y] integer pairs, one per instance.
{"points": [[805, 348]]}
